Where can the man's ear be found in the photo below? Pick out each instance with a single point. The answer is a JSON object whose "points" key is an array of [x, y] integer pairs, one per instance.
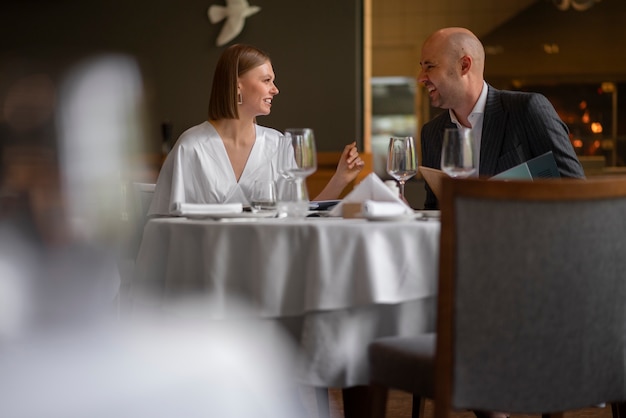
{"points": [[466, 64]]}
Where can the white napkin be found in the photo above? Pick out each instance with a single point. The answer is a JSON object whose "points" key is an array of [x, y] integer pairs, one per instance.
{"points": [[371, 188], [182, 209], [373, 208]]}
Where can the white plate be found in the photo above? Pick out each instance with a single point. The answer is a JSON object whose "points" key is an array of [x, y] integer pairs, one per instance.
{"points": [[402, 217], [231, 215]]}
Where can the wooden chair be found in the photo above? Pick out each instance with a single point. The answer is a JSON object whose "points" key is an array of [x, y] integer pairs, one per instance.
{"points": [[531, 303]]}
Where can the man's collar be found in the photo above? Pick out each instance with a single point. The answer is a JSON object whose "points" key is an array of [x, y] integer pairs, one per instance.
{"points": [[479, 107]]}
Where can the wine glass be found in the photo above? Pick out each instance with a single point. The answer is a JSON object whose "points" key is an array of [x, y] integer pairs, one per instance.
{"points": [[402, 160], [304, 152], [284, 158], [457, 156], [295, 164]]}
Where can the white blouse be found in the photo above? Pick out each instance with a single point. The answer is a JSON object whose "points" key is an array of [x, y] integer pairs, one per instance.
{"points": [[198, 170]]}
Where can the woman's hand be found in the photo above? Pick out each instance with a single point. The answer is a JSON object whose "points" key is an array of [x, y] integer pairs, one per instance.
{"points": [[350, 164]]}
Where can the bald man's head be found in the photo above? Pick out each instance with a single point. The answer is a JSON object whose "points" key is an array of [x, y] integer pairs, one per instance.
{"points": [[452, 67], [458, 42]]}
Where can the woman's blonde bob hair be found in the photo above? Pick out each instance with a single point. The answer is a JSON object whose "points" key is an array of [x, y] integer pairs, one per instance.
{"points": [[235, 61]]}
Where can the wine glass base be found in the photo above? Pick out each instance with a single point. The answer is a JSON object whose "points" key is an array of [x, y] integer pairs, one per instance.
{"points": [[293, 209]]}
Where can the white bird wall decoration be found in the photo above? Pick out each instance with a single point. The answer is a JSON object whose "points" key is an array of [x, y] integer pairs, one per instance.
{"points": [[235, 12], [580, 5]]}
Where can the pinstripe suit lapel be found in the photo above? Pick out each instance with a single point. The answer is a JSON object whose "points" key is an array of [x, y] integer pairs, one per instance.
{"points": [[494, 124]]}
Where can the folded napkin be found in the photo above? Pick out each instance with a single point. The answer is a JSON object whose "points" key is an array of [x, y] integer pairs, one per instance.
{"points": [[371, 188], [373, 208], [182, 209]]}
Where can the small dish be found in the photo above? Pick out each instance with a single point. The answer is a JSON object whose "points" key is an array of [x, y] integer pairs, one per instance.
{"points": [[270, 214], [430, 213], [396, 218]]}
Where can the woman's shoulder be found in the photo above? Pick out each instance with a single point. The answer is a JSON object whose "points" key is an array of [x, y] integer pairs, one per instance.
{"points": [[268, 132], [196, 134], [268, 139]]}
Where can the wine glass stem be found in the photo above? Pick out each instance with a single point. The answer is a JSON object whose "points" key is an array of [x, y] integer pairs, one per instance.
{"points": [[301, 190], [401, 184]]}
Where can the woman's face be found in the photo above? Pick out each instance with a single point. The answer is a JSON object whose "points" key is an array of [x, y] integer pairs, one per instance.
{"points": [[257, 90]]}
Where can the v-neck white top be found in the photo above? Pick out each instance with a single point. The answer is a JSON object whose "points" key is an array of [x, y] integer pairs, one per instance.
{"points": [[198, 170]]}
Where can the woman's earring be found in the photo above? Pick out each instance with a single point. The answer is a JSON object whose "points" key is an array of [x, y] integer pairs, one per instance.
{"points": [[239, 98]]}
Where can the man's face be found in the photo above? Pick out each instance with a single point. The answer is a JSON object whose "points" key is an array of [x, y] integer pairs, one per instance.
{"points": [[440, 74]]}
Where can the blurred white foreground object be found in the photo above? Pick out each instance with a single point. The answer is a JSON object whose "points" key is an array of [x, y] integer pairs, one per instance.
{"points": [[100, 126], [163, 365]]}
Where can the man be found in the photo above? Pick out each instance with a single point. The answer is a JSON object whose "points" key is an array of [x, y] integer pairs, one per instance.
{"points": [[508, 127]]}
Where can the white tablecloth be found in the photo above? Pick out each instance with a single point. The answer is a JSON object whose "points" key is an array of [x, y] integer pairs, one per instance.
{"points": [[335, 284]]}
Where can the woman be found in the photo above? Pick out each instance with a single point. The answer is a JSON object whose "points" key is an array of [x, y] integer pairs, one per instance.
{"points": [[218, 160]]}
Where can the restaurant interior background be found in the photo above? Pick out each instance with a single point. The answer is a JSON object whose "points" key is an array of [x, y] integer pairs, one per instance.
{"points": [[550, 46], [347, 69]]}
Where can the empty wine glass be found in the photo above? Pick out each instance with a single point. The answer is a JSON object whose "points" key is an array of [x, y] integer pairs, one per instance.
{"points": [[457, 156], [402, 160], [304, 152], [284, 158], [296, 163]]}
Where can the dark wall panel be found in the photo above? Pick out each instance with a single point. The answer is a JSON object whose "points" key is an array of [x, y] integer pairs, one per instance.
{"points": [[315, 45]]}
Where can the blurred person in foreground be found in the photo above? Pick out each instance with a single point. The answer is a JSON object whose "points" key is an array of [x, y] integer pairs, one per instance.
{"points": [[60, 218], [49, 277], [218, 160], [61, 357], [509, 128], [176, 361]]}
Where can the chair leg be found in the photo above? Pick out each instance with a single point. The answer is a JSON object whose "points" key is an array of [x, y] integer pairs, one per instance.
{"points": [[553, 415], [419, 405], [355, 401], [618, 410], [378, 400]]}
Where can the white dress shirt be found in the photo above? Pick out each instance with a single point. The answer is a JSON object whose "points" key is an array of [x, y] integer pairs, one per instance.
{"points": [[475, 118]]}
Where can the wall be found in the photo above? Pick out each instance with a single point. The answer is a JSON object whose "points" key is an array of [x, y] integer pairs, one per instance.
{"points": [[315, 45], [399, 27], [563, 46]]}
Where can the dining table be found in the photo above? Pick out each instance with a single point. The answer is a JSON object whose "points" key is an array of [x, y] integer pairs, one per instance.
{"points": [[335, 284]]}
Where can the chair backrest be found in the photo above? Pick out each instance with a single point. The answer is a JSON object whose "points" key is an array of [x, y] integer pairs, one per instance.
{"points": [[531, 313]]}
